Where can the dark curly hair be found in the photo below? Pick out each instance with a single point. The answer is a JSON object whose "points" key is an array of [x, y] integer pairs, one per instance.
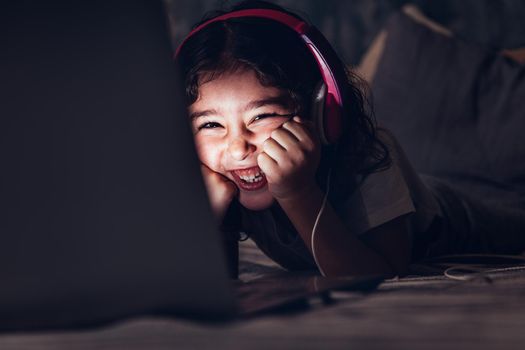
{"points": [[281, 59]]}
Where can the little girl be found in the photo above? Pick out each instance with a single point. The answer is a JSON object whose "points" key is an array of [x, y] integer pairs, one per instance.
{"points": [[346, 206]]}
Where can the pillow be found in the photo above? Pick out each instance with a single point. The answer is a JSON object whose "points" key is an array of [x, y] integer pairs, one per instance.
{"points": [[458, 109], [368, 64]]}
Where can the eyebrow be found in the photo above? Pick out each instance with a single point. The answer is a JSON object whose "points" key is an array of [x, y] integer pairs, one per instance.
{"points": [[281, 100], [204, 113]]}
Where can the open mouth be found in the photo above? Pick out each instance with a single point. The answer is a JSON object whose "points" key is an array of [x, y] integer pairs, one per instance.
{"points": [[249, 179]]}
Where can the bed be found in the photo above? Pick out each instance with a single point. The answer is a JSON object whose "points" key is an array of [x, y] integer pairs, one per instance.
{"points": [[424, 312]]}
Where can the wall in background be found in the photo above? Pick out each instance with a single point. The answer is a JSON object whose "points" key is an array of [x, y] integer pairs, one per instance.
{"points": [[352, 25]]}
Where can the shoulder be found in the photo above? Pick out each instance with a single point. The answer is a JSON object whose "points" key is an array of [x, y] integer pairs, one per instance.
{"points": [[390, 192], [381, 195]]}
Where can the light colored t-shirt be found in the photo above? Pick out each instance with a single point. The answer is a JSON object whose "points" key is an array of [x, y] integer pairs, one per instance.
{"points": [[381, 197], [389, 193]]}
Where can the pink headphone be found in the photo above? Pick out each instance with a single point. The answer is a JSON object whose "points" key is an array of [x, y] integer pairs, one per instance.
{"points": [[327, 106]]}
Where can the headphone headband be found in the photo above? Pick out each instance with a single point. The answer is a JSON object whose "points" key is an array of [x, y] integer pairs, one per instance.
{"points": [[292, 22], [327, 61]]}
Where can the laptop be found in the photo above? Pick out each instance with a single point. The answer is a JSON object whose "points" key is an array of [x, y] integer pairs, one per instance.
{"points": [[104, 214]]}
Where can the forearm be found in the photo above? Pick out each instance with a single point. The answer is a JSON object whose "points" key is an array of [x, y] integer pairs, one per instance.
{"points": [[338, 251]]}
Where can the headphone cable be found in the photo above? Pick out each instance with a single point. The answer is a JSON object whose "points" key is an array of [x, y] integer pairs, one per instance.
{"points": [[317, 219]]}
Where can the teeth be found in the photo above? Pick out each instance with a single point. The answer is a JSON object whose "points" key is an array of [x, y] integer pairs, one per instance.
{"points": [[252, 178]]}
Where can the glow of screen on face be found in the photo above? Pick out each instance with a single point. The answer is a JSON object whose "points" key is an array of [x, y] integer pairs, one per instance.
{"points": [[233, 101]]}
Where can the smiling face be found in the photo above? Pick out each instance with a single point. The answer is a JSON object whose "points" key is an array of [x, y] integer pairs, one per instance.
{"points": [[232, 117]]}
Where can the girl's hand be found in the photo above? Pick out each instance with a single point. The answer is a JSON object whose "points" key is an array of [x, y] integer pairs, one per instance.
{"points": [[221, 191], [290, 159]]}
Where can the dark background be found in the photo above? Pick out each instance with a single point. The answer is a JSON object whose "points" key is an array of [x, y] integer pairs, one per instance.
{"points": [[352, 25]]}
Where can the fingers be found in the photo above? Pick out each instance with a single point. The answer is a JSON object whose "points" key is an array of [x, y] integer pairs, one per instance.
{"points": [[217, 181], [284, 138], [274, 150], [205, 170], [286, 150], [221, 190], [305, 131], [299, 129], [302, 131], [267, 164], [293, 138]]}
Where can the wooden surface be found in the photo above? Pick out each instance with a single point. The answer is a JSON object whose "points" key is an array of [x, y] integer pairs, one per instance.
{"points": [[411, 313]]}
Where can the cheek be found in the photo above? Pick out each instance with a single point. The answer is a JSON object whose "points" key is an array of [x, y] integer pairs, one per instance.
{"points": [[263, 134], [208, 152]]}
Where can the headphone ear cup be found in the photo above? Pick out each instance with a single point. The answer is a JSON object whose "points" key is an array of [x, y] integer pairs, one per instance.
{"points": [[318, 111]]}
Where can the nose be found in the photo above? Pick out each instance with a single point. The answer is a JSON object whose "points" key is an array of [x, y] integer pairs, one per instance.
{"points": [[240, 148]]}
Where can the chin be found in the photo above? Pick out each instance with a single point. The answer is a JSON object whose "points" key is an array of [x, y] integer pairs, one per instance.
{"points": [[256, 201]]}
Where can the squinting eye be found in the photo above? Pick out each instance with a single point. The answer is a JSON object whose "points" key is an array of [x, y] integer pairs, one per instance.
{"points": [[267, 115], [209, 125]]}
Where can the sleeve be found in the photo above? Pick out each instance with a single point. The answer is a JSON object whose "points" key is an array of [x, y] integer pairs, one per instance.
{"points": [[383, 195]]}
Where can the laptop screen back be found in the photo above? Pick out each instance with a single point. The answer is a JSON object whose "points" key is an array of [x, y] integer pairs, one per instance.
{"points": [[103, 211]]}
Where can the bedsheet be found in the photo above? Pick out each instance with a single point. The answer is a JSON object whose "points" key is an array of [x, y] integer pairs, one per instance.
{"points": [[429, 312]]}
